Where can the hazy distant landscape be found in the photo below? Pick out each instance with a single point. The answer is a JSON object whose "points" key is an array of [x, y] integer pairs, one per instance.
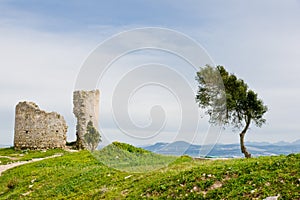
{"points": [[222, 150], [227, 150]]}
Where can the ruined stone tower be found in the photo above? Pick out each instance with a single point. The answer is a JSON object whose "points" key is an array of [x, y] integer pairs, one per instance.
{"points": [[37, 129], [86, 109]]}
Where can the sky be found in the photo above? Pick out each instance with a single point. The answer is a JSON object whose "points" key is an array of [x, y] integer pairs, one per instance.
{"points": [[44, 44]]}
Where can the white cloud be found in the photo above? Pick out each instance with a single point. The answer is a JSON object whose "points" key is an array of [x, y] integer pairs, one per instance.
{"points": [[258, 42], [40, 67]]}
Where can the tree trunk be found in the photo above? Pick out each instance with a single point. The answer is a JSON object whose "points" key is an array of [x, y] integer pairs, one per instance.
{"points": [[242, 136]]}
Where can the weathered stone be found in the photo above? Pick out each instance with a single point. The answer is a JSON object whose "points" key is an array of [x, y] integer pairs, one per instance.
{"points": [[86, 108], [37, 129]]}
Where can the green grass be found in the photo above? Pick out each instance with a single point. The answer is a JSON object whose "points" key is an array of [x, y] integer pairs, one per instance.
{"points": [[128, 158], [80, 176], [12, 155]]}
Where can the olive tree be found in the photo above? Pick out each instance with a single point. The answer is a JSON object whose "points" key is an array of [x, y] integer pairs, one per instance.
{"points": [[240, 106]]}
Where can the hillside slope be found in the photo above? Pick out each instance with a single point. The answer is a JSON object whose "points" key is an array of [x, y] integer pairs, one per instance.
{"points": [[126, 157], [80, 176]]}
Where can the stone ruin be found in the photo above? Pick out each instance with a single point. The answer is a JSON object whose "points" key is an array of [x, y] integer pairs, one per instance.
{"points": [[86, 109], [37, 129]]}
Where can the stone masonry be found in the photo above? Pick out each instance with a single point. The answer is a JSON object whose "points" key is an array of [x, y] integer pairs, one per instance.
{"points": [[86, 108], [37, 129]]}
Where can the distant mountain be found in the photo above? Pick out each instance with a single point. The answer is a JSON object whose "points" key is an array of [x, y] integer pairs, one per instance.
{"points": [[225, 150], [282, 143], [258, 143], [175, 148], [297, 142], [155, 146]]}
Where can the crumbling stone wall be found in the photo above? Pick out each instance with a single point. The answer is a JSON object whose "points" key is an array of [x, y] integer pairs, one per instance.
{"points": [[86, 109], [37, 129]]}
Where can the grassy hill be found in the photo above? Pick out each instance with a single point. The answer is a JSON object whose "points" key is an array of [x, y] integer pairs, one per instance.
{"points": [[80, 175], [128, 158]]}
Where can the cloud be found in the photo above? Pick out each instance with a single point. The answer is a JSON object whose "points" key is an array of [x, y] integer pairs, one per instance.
{"points": [[259, 43], [42, 50], [40, 67], [143, 92]]}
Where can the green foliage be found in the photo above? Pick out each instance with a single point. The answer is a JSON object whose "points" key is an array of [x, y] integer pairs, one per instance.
{"points": [[92, 137], [241, 103], [238, 106], [130, 148], [80, 176], [182, 159]]}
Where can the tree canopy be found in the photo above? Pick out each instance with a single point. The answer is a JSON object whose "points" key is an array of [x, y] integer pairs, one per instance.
{"points": [[92, 136], [238, 107]]}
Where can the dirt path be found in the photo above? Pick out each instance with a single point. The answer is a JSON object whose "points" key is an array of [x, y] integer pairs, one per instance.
{"points": [[3, 168]]}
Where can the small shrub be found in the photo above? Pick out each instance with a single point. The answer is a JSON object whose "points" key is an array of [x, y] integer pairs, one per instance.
{"points": [[130, 148], [12, 183]]}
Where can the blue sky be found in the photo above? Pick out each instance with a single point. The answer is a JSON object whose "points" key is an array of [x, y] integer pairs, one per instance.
{"points": [[77, 15], [44, 43]]}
